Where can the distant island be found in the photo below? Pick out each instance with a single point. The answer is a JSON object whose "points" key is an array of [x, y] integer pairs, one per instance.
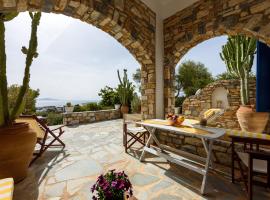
{"points": [[47, 101]]}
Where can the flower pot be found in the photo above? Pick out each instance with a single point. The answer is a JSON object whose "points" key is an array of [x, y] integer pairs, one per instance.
{"points": [[69, 109], [17, 146], [177, 110], [251, 120], [124, 109], [117, 106]]}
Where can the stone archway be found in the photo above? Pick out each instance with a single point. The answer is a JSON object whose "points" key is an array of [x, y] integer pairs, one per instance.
{"points": [[206, 19], [130, 22]]}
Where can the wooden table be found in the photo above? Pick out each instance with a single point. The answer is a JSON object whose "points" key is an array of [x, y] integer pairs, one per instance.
{"points": [[207, 140]]}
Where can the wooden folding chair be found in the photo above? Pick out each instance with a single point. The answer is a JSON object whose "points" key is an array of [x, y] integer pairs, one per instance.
{"points": [[131, 132], [43, 133], [255, 157]]}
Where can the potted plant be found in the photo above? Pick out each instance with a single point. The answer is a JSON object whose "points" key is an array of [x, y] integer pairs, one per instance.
{"points": [[116, 101], [69, 107], [125, 90], [17, 140], [238, 55], [112, 185]]}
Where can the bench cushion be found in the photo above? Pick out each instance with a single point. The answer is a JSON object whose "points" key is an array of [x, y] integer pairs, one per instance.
{"points": [[6, 189]]}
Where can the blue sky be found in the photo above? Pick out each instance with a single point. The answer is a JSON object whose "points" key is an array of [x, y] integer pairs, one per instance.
{"points": [[207, 53], [76, 59]]}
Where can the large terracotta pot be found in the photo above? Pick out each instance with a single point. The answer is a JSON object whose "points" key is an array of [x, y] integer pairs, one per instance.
{"points": [[251, 120], [17, 144], [124, 109]]}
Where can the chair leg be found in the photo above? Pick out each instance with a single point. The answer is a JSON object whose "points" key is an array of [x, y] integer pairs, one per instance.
{"points": [[250, 177], [232, 157], [268, 173], [242, 173]]}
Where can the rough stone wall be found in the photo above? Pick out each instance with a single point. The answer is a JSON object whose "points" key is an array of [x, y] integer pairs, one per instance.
{"points": [[76, 118], [206, 19], [195, 105], [221, 149], [130, 22]]}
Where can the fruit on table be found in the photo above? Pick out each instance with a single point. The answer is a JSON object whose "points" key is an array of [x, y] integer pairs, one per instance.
{"points": [[175, 118], [180, 119]]}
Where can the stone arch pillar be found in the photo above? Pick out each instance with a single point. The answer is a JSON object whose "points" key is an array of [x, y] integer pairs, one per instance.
{"points": [[130, 22], [206, 19]]}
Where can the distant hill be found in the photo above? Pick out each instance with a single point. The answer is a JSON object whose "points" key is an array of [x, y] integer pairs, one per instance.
{"points": [[47, 99]]}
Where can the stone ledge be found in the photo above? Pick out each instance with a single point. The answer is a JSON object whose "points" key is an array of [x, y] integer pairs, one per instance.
{"points": [[76, 118]]}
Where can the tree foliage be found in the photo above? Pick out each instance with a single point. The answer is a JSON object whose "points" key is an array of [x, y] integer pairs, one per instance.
{"points": [[30, 98], [109, 96], [192, 76], [137, 76]]}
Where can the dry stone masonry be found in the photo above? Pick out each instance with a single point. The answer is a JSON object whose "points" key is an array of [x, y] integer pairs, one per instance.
{"points": [[195, 105], [130, 22], [77, 118], [206, 19]]}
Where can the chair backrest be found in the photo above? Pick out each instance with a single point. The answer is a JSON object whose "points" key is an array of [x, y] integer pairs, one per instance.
{"points": [[212, 114], [252, 143], [34, 124], [132, 117]]}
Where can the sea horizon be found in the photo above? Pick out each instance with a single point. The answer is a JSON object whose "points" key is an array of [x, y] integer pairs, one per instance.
{"points": [[43, 102]]}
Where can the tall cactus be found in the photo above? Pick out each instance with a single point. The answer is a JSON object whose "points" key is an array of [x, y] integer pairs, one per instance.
{"points": [[238, 55], [125, 88], [8, 116]]}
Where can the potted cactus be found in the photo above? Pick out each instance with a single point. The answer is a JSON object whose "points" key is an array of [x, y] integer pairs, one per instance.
{"points": [[125, 90], [238, 55], [17, 140]]}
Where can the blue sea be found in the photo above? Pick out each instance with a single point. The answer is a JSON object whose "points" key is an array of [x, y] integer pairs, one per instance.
{"points": [[59, 102]]}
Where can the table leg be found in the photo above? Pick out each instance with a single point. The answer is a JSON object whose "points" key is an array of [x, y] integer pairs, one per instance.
{"points": [[207, 165], [148, 142], [206, 148]]}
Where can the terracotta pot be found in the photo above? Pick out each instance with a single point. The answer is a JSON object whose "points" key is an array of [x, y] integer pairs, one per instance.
{"points": [[17, 144], [124, 109], [251, 120]]}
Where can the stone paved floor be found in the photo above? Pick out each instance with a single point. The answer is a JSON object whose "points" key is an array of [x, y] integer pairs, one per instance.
{"points": [[95, 148]]}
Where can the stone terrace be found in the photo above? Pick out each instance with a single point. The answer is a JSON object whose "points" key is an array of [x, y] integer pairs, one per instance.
{"points": [[95, 148]]}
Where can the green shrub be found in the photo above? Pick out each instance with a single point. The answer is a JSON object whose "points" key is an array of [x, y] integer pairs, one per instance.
{"points": [[136, 104], [42, 113], [109, 96], [54, 119], [93, 106], [79, 108]]}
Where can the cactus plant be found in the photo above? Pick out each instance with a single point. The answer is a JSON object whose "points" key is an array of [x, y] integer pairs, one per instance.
{"points": [[125, 89], [238, 55], [7, 116]]}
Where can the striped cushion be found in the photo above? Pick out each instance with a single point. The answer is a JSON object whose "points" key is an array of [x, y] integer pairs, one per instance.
{"points": [[247, 134], [6, 189]]}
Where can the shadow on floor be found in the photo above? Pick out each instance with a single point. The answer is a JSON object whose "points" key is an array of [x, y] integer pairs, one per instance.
{"points": [[28, 189], [219, 184]]}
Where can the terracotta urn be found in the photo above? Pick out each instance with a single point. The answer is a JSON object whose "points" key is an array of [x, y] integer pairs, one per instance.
{"points": [[17, 144], [250, 120], [124, 109]]}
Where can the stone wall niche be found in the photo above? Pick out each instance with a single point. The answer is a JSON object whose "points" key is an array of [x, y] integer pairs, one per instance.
{"points": [[220, 98]]}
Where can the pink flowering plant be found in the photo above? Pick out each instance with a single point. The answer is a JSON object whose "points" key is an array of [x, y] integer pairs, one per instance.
{"points": [[111, 186]]}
